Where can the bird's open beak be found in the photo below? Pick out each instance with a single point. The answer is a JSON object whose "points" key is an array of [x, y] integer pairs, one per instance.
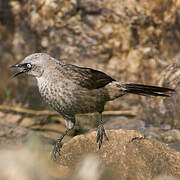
{"points": [[18, 66]]}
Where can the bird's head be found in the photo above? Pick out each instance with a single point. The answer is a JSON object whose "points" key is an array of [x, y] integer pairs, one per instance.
{"points": [[34, 65]]}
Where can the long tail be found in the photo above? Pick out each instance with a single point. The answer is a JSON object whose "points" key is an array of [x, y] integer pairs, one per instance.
{"points": [[142, 89]]}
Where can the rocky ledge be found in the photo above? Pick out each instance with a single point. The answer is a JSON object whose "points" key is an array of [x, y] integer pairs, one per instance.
{"points": [[127, 155]]}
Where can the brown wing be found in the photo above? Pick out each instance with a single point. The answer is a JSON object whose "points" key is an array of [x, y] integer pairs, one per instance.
{"points": [[87, 77]]}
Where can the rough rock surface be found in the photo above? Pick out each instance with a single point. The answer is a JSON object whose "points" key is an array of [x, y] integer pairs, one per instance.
{"points": [[11, 134], [15, 128], [130, 40], [127, 155], [160, 111]]}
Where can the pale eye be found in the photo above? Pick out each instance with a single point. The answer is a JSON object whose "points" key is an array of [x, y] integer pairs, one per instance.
{"points": [[29, 66]]}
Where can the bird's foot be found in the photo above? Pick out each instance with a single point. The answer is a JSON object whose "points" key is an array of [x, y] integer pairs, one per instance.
{"points": [[100, 135], [56, 149]]}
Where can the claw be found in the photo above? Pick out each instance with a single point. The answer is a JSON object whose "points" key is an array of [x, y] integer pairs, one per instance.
{"points": [[100, 135], [105, 136], [53, 156], [57, 148]]}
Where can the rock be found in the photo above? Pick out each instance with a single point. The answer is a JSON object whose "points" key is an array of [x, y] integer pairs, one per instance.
{"points": [[120, 38], [152, 133], [11, 133], [127, 155], [129, 40], [11, 118], [165, 111], [87, 121], [26, 161], [175, 146], [124, 123], [14, 135], [171, 136], [165, 127], [165, 177]]}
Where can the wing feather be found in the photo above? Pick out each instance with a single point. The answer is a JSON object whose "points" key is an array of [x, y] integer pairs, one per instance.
{"points": [[87, 77]]}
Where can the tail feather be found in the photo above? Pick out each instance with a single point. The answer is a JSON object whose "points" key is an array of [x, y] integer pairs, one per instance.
{"points": [[145, 90]]}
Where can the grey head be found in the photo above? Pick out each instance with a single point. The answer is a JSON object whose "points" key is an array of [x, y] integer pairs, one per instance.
{"points": [[35, 64]]}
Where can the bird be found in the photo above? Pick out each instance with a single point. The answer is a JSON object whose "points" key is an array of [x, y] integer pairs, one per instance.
{"points": [[70, 90]]}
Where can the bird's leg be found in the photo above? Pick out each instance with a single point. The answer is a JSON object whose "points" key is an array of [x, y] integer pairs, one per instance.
{"points": [[58, 144], [100, 132]]}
